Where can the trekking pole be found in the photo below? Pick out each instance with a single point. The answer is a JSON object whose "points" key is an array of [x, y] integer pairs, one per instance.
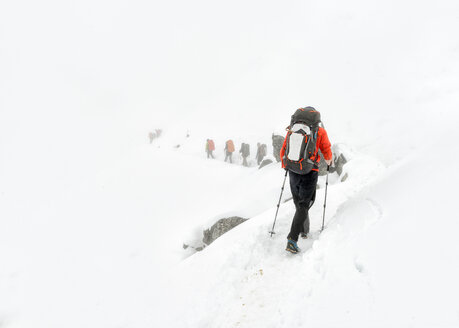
{"points": [[325, 200], [278, 204]]}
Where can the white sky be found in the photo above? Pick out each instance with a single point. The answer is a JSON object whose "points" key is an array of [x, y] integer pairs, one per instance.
{"points": [[92, 75]]}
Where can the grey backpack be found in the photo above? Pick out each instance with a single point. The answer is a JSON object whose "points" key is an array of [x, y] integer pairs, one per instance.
{"points": [[300, 153]]}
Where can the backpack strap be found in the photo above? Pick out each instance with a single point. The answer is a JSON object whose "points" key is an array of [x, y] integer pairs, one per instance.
{"points": [[287, 147], [316, 135]]}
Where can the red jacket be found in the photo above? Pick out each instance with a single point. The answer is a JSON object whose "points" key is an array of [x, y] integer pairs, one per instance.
{"points": [[322, 142]]}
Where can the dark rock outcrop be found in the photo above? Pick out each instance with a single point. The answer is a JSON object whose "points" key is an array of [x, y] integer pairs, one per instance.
{"points": [[339, 159], [277, 145], [264, 163], [220, 227], [195, 248]]}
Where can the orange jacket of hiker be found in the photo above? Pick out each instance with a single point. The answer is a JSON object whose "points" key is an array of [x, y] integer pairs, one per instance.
{"points": [[230, 146], [322, 143], [211, 145]]}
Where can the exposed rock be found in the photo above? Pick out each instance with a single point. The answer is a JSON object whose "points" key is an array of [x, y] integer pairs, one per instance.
{"points": [[340, 163], [277, 145], [220, 227], [339, 160], [153, 135], [196, 248], [264, 163]]}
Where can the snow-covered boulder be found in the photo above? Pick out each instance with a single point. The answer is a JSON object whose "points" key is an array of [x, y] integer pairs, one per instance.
{"points": [[220, 227]]}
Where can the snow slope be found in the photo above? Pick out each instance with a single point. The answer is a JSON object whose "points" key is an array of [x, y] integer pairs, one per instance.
{"points": [[383, 260], [92, 218]]}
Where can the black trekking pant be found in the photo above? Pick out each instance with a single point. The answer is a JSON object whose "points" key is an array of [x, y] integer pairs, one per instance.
{"points": [[230, 156], [259, 159], [244, 161], [303, 189]]}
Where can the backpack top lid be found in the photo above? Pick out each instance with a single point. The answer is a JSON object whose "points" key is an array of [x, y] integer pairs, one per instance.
{"points": [[307, 115]]}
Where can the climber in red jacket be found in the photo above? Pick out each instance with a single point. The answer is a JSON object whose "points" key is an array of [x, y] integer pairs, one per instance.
{"points": [[300, 156]]}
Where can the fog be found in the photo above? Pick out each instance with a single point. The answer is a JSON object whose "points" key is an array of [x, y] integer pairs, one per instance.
{"points": [[83, 82], [93, 77]]}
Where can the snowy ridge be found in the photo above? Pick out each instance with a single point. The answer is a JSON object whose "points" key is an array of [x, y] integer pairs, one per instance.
{"points": [[246, 278], [92, 218]]}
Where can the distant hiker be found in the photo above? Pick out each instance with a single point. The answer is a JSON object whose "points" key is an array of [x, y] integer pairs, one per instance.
{"points": [[258, 153], [277, 145], [210, 147], [261, 152], [229, 150], [153, 135], [245, 152], [300, 156]]}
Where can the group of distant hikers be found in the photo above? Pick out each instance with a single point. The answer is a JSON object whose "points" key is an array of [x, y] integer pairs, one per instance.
{"points": [[300, 155], [244, 151], [262, 150]]}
